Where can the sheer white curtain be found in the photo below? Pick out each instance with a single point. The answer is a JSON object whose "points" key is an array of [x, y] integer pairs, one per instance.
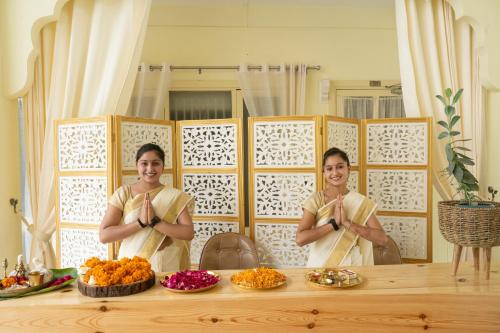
{"points": [[391, 107], [86, 67], [274, 93], [436, 52], [358, 107], [150, 92]]}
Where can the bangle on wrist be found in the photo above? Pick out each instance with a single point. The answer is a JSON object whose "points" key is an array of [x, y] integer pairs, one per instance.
{"points": [[141, 224], [334, 224], [154, 221]]}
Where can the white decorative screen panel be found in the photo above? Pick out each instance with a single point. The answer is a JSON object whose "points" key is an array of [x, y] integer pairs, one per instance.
{"points": [[82, 146], [77, 245], [410, 233], [203, 230], [213, 146], [215, 194], [166, 179], [284, 144], [398, 190], [344, 136], [134, 135], [353, 181], [397, 143], [282, 194], [276, 245], [82, 199]]}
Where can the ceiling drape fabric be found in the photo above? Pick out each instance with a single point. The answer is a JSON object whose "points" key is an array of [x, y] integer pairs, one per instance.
{"points": [[86, 67], [150, 93], [274, 92], [435, 52]]}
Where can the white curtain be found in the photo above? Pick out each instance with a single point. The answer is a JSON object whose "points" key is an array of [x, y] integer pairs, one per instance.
{"points": [[274, 92], [150, 92], [358, 107], [86, 67], [391, 107], [436, 52]]}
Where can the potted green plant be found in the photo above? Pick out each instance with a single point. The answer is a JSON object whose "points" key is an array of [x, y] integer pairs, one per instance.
{"points": [[468, 221]]}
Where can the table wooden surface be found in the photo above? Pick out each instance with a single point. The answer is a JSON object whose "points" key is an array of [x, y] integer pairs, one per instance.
{"points": [[398, 298]]}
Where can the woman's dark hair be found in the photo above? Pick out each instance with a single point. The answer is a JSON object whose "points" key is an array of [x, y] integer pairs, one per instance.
{"points": [[150, 147], [335, 151]]}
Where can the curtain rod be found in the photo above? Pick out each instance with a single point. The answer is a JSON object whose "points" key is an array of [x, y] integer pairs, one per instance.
{"points": [[200, 68]]}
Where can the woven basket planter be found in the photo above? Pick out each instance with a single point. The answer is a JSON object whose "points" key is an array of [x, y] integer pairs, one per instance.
{"points": [[470, 226]]}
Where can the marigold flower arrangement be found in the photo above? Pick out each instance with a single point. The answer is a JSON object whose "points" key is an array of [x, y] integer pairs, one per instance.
{"points": [[260, 278], [123, 271]]}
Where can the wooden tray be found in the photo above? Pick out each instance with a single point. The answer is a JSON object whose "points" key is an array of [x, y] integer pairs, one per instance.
{"points": [[116, 290]]}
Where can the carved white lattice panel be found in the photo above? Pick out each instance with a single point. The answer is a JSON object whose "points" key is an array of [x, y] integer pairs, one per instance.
{"points": [[82, 146], [134, 135], [282, 194], [353, 181], [82, 199], [397, 143], [276, 245], [410, 233], [77, 245], [166, 178], [203, 230], [398, 190], [344, 136], [215, 194], [289, 144], [213, 146]]}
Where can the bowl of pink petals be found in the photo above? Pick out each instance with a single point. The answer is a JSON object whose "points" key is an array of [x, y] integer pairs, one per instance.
{"points": [[190, 281]]}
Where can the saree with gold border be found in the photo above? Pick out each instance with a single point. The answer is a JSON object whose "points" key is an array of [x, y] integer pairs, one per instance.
{"points": [[342, 247], [167, 203]]}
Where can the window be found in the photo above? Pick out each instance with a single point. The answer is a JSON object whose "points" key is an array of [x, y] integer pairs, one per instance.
{"points": [[355, 99], [192, 100]]}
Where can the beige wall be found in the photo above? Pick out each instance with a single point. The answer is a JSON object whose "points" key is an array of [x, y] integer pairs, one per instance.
{"points": [[22, 17], [10, 227], [350, 43]]}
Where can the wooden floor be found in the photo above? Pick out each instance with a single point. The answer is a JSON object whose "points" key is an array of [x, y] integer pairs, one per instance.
{"points": [[399, 298]]}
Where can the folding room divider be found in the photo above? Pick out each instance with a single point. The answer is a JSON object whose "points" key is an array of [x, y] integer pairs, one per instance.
{"points": [[390, 161]]}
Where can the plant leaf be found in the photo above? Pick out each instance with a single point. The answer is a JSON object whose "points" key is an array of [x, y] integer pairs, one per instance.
{"points": [[450, 154], [454, 121], [448, 92], [459, 174], [463, 148], [468, 177], [466, 161], [442, 135], [454, 133], [451, 167], [457, 95], [443, 123], [449, 110], [474, 187], [464, 156], [461, 140], [441, 98]]}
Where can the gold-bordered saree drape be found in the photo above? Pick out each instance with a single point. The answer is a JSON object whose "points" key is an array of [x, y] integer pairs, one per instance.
{"points": [[343, 247], [167, 203]]}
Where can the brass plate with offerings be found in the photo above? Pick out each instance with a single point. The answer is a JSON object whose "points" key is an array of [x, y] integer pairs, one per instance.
{"points": [[333, 278]]}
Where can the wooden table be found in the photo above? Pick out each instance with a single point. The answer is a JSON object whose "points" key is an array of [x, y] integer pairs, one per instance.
{"points": [[399, 298]]}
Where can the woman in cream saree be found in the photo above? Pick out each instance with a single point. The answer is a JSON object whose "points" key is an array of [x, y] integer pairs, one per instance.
{"points": [[157, 221], [339, 224]]}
